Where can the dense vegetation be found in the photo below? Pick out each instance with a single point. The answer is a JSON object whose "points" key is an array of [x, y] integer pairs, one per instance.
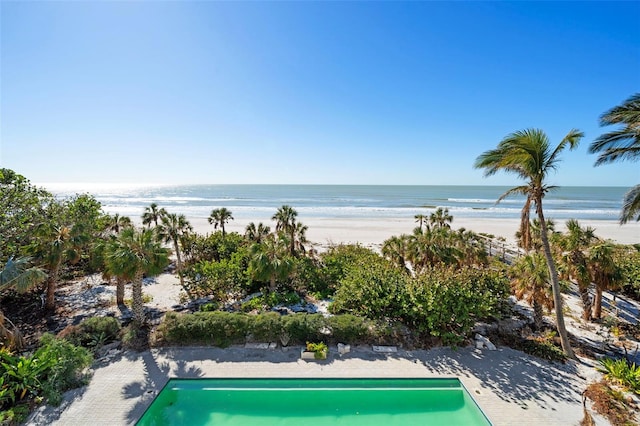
{"points": [[427, 287]]}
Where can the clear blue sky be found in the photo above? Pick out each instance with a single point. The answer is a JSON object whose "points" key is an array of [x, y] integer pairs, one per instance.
{"points": [[303, 92]]}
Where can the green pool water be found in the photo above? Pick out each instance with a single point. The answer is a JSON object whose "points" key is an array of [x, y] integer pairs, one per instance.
{"points": [[317, 402]]}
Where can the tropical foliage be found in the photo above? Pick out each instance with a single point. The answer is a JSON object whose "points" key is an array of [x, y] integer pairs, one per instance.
{"points": [[622, 144]]}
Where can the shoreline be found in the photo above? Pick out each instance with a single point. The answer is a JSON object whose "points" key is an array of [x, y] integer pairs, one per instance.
{"points": [[372, 232]]}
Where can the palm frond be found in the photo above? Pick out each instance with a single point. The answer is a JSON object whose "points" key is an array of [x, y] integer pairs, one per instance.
{"points": [[631, 205]]}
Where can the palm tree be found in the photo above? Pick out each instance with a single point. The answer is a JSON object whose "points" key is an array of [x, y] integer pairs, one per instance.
{"points": [[113, 266], [219, 217], [605, 272], [395, 249], [270, 261], [530, 281], [256, 233], [57, 244], [152, 214], [440, 218], [116, 223], [17, 274], [171, 230], [528, 154], [139, 253], [622, 144], [573, 261], [300, 237], [285, 218], [420, 219]]}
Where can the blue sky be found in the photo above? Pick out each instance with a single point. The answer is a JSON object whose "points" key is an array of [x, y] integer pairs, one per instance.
{"points": [[305, 92]]}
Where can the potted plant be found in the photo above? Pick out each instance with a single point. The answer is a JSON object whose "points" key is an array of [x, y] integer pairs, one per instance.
{"points": [[315, 351]]}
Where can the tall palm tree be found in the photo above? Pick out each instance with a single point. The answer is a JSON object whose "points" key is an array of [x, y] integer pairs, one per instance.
{"points": [[605, 272], [440, 218], [572, 247], [17, 274], [152, 214], [528, 154], [285, 218], [219, 217], [620, 145], [256, 233], [139, 253], [420, 220], [270, 261], [171, 230], [530, 281]]}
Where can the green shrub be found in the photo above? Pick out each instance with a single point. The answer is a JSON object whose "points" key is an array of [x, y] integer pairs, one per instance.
{"points": [[208, 328], [221, 280], [271, 299], [92, 332], [622, 372], [319, 349], [338, 260], [66, 363], [225, 328], [266, 327], [304, 327], [209, 307], [55, 367], [374, 289], [349, 328]]}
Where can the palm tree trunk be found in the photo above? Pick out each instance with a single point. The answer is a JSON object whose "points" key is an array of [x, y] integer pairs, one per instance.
{"points": [[119, 291], [52, 282], [597, 305], [137, 303], [179, 261], [537, 315], [586, 301], [555, 285], [272, 283]]}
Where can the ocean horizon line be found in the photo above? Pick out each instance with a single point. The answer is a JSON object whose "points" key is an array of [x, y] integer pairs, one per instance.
{"points": [[139, 184]]}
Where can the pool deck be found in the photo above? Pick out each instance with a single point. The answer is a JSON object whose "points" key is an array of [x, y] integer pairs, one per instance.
{"points": [[511, 387]]}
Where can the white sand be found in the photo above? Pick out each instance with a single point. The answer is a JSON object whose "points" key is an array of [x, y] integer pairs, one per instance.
{"points": [[373, 231]]}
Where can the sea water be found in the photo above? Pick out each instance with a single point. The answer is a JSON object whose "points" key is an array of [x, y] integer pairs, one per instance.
{"points": [[347, 201]]}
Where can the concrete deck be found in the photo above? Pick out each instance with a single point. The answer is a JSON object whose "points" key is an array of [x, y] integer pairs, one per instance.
{"points": [[511, 388]]}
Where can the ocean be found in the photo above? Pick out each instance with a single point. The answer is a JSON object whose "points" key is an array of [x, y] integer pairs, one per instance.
{"points": [[259, 202]]}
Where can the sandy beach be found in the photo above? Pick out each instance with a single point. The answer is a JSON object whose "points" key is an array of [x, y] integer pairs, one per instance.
{"points": [[372, 232]]}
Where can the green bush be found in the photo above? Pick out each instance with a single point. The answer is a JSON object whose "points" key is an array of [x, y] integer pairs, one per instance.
{"points": [[207, 328], [349, 328], [221, 280], [212, 247], [225, 328], [338, 260], [92, 332], [66, 366], [441, 303], [307, 276], [55, 367], [374, 289], [304, 327], [622, 372], [271, 299], [266, 327]]}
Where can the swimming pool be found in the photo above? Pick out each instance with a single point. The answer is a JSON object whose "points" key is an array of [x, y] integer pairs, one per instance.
{"points": [[317, 402]]}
